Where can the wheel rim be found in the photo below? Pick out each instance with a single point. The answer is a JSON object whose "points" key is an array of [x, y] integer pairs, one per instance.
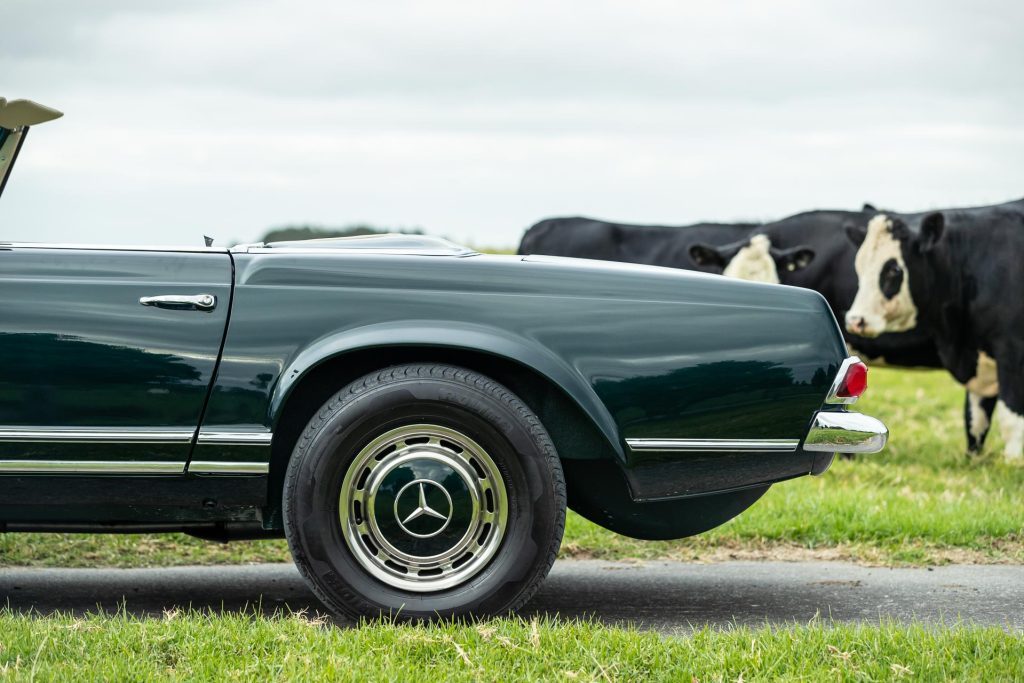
{"points": [[423, 507]]}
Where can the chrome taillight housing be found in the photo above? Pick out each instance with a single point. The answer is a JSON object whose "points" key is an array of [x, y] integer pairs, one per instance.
{"points": [[850, 383]]}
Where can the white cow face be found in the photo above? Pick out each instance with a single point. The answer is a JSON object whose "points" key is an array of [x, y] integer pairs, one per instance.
{"points": [[754, 262], [754, 259], [884, 302]]}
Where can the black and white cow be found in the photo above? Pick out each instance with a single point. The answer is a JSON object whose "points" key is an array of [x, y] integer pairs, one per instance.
{"points": [[652, 245], [956, 275], [811, 250], [753, 257]]}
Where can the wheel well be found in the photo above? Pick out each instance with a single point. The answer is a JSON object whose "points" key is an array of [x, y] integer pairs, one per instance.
{"points": [[575, 436]]}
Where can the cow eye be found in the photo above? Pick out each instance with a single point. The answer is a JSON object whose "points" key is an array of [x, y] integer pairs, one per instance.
{"points": [[891, 279]]}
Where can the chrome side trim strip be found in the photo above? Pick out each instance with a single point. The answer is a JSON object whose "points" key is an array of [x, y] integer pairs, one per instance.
{"points": [[327, 251], [714, 445], [90, 467], [833, 391], [86, 435], [220, 467], [236, 438], [846, 433], [113, 247]]}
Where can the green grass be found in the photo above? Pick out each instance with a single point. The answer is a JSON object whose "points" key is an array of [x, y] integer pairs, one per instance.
{"points": [[920, 501], [196, 646]]}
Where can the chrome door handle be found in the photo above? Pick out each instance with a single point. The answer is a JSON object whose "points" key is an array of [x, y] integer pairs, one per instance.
{"points": [[199, 302]]}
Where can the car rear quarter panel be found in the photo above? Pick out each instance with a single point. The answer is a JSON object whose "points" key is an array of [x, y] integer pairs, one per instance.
{"points": [[645, 352]]}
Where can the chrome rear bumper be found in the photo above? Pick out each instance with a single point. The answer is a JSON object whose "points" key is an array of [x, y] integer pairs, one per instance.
{"points": [[840, 432]]}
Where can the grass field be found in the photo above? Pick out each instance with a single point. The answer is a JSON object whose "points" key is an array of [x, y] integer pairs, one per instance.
{"points": [[194, 646], [920, 501]]}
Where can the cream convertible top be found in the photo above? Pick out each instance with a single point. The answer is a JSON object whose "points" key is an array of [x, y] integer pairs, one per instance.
{"points": [[15, 118]]}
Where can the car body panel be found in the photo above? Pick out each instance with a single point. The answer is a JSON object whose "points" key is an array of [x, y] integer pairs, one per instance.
{"points": [[716, 369], [645, 352], [99, 377]]}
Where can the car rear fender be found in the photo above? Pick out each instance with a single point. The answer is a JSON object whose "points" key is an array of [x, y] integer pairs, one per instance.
{"points": [[453, 336]]}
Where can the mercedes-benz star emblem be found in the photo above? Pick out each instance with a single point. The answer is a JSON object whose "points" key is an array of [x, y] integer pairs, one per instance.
{"points": [[423, 508]]}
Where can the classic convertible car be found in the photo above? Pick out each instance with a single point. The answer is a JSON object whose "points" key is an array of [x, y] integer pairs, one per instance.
{"points": [[413, 416]]}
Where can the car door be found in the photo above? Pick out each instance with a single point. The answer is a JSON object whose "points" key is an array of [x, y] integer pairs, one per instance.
{"points": [[107, 356]]}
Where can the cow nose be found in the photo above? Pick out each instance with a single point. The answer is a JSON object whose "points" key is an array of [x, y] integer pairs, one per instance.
{"points": [[855, 323]]}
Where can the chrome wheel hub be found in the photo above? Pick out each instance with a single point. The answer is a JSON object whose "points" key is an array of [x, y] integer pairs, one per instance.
{"points": [[423, 508]]}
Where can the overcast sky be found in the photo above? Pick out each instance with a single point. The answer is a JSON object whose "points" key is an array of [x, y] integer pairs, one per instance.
{"points": [[476, 119]]}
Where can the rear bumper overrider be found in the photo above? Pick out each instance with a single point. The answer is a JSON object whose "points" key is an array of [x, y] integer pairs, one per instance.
{"points": [[842, 432]]}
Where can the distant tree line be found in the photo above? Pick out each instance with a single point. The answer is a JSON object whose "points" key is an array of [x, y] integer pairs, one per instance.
{"points": [[290, 233]]}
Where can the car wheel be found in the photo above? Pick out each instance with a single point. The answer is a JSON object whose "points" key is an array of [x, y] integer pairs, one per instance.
{"points": [[424, 492]]}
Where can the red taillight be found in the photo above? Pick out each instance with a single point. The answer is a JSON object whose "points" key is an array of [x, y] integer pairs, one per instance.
{"points": [[855, 382]]}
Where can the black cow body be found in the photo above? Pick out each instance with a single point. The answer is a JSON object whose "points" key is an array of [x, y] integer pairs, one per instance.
{"points": [[964, 270], [652, 245]]}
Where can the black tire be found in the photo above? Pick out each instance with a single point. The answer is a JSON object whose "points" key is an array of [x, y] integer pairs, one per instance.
{"points": [[344, 567]]}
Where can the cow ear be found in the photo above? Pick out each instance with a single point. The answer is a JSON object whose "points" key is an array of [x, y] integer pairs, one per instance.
{"points": [[856, 233], [932, 227], [704, 256]]}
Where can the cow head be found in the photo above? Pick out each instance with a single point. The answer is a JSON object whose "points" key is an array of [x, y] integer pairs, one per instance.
{"points": [[754, 259], [886, 247]]}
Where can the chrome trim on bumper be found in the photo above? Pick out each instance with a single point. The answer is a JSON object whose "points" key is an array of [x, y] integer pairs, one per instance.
{"points": [[236, 438], [86, 435], [222, 467], [712, 445], [89, 467], [845, 433]]}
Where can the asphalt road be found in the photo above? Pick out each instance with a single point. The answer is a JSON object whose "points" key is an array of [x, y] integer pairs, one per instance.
{"points": [[668, 596]]}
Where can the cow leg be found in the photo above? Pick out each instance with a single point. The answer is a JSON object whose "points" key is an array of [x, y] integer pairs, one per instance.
{"points": [[977, 420], [1011, 402], [1012, 424], [982, 395]]}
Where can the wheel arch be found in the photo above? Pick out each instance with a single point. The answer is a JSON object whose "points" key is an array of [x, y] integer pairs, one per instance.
{"points": [[577, 421]]}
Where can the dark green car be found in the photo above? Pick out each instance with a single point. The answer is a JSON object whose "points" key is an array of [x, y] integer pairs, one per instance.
{"points": [[413, 416]]}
